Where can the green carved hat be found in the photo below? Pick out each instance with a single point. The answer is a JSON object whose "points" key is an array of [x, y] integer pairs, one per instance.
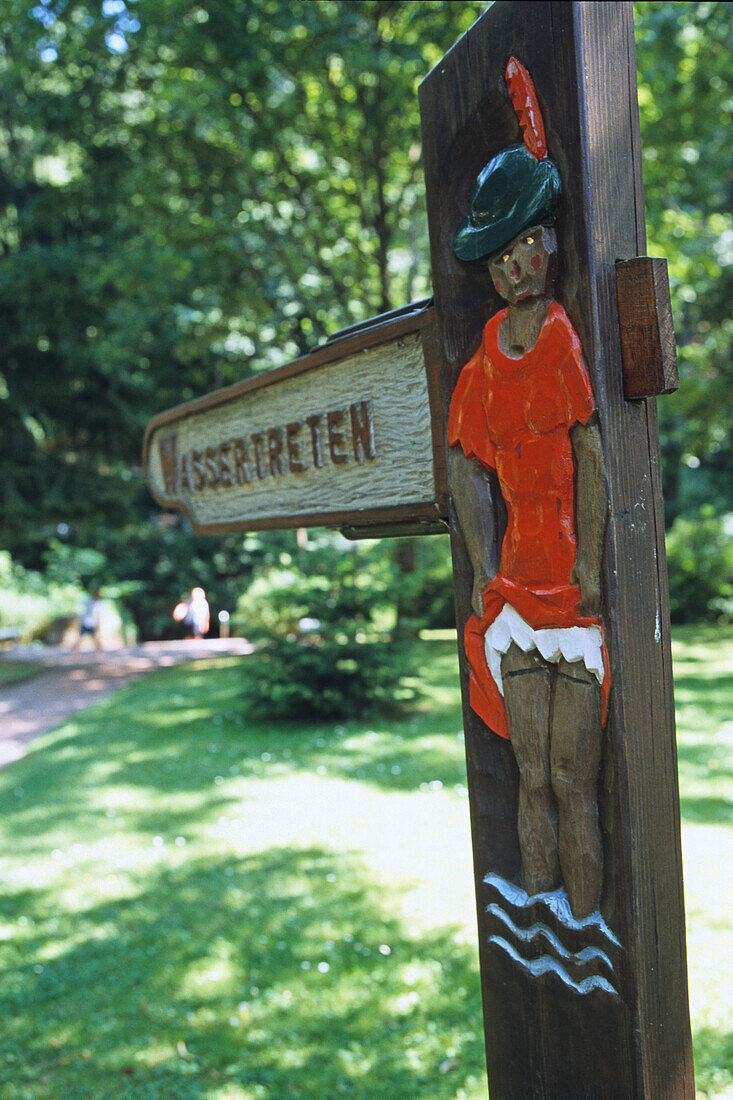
{"points": [[513, 192], [519, 187]]}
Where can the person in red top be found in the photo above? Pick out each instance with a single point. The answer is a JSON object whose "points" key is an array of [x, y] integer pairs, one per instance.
{"points": [[523, 409]]}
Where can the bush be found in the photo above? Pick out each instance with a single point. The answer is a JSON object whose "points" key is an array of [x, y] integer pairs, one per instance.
{"points": [[30, 602], [700, 566], [40, 605], [322, 624], [433, 584], [324, 679]]}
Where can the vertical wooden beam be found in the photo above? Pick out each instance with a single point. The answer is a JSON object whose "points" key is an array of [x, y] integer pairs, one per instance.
{"points": [[545, 1040], [641, 630]]}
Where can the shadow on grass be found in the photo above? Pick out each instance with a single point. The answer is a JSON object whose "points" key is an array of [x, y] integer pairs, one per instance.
{"points": [[182, 731], [710, 694], [16, 672], [705, 773], [704, 702], [208, 977], [282, 974]]}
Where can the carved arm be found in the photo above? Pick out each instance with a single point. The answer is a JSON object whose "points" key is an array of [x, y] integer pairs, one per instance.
{"points": [[592, 512], [475, 502]]}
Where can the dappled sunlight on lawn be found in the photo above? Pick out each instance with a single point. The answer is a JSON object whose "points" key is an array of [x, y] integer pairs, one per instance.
{"points": [[241, 970], [703, 664], [199, 905], [417, 842]]}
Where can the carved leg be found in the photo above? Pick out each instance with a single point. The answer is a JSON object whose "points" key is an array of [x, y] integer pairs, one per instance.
{"points": [[575, 758], [527, 695]]}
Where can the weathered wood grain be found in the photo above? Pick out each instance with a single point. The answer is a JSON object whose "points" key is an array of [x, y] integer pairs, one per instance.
{"points": [[351, 441], [636, 572], [646, 328], [543, 1039]]}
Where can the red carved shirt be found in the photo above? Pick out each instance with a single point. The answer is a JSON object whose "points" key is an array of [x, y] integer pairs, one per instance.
{"points": [[514, 416]]}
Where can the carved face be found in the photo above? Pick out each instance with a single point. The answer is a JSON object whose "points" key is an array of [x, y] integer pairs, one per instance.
{"points": [[523, 269]]}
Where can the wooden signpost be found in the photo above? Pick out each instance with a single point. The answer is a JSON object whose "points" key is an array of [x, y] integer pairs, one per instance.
{"points": [[516, 411], [349, 436]]}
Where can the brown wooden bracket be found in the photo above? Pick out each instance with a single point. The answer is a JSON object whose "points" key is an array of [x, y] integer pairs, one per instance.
{"points": [[437, 526], [381, 319], [648, 353]]}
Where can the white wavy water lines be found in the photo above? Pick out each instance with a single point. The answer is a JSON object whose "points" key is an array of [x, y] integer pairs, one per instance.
{"points": [[556, 901], [545, 964], [535, 930]]}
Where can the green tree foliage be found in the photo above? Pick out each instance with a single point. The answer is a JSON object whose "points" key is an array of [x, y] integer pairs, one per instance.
{"points": [[700, 565], [151, 566], [193, 190], [30, 601], [189, 192], [686, 107]]}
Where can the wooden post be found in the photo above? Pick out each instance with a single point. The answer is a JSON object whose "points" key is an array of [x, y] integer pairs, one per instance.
{"points": [[620, 1027], [580, 908]]}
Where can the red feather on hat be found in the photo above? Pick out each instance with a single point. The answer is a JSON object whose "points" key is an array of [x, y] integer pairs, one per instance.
{"points": [[524, 100]]}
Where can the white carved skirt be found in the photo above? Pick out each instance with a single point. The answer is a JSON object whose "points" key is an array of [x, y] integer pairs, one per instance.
{"points": [[574, 643]]}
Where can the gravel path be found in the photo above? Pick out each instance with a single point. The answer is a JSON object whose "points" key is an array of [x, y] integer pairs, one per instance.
{"points": [[71, 682]]}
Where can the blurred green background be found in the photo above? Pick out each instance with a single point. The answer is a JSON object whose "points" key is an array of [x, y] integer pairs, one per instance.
{"points": [[191, 192]]}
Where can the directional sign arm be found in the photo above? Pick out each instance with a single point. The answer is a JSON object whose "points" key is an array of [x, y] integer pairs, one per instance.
{"points": [[349, 436]]}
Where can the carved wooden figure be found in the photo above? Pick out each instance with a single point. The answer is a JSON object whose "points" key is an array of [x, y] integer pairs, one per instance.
{"points": [[523, 407], [533, 196]]}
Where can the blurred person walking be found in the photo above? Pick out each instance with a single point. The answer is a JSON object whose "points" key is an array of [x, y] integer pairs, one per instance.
{"points": [[194, 614], [89, 617]]}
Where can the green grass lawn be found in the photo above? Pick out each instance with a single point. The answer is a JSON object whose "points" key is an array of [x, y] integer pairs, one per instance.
{"points": [[199, 906], [703, 664]]}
